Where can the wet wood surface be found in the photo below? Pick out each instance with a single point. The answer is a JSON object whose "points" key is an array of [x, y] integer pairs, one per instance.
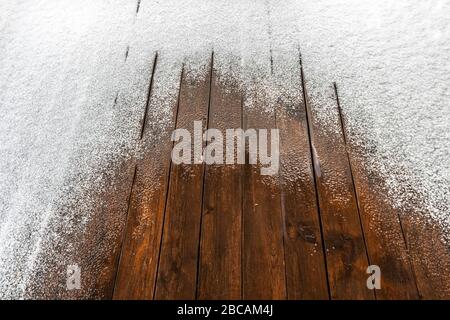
{"points": [[142, 236], [383, 231], [345, 247], [177, 273], [225, 231], [306, 275], [263, 266], [221, 234]]}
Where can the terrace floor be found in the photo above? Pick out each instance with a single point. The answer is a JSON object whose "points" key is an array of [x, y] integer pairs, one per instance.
{"points": [[227, 232], [91, 92]]}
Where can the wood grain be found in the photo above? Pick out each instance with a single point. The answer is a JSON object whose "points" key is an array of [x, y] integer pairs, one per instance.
{"points": [[346, 254], [382, 229], [306, 274], [263, 248], [221, 236], [140, 251], [177, 273]]}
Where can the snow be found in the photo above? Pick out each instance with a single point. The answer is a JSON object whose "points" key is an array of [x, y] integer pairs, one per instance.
{"points": [[63, 63]]}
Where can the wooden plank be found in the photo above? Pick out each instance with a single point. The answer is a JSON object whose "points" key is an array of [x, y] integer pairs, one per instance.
{"points": [[116, 202], [96, 248], [346, 254], [177, 272], [263, 248], [306, 275], [138, 262], [220, 246], [429, 252], [383, 230]]}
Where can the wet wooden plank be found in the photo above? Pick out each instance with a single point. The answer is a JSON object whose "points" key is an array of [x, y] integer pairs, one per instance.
{"points": [[260, 237], [116, 202], [177, 272], [346, 254], [430, 254], [221, 235], [95, 249], [382, 228], [141, 245], [306, 275], [263, 248]]}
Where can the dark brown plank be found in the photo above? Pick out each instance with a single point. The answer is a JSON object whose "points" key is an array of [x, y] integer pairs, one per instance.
{"points": [[138, 262], [346, 254], [220, 246], [306, 274], [263, 248], [382, 228], [429, 252], [115, 202], [95, 247], [177, 272]]}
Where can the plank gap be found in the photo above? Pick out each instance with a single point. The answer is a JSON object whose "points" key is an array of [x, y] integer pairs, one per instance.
{"points": [[122, 242], [138, 6], [242, 184], [307, 114], [344, 135], [204, 176], [282, 196], [155, 59], [168, 185], [126, 53]]}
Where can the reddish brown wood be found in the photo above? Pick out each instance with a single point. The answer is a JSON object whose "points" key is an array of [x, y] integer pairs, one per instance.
{"points": [[177, 272], [382, 229], [139, 258], [220, 249], [263, 248], [346, 253], [227, 232], [430, 254], [306, 274]]}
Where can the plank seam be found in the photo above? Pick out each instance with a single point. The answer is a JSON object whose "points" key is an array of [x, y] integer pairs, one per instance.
{"points": [[167, 188], [197, 280], [282, 194], [138, 6], [305, 102], [242, 171], [124, 233], [155, 60], [341, 118], [127, 51], [344, 135]]}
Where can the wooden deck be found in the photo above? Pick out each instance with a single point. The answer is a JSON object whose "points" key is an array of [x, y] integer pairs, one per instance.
{"points": [[226, 232]]}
